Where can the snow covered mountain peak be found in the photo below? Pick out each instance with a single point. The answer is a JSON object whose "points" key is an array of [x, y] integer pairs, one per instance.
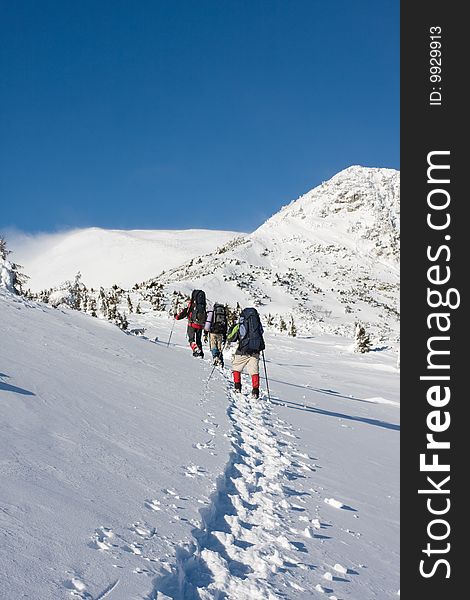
{"points": [[359, 206], [326, 260]]}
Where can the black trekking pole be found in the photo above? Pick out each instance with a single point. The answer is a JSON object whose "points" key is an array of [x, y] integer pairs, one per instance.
{"points": [[171, 333], [209, 378], [213, 368], [222, 353], [266, 376]]}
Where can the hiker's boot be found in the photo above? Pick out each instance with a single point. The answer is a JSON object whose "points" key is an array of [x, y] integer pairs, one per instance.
{"points": [[255, 392], [237, 386]]}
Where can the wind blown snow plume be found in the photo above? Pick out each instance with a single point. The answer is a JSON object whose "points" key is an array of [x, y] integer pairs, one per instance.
{"points": [[107, 256]]}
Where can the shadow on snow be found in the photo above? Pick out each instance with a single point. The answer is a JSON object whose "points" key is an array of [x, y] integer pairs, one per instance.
{"points": [[328, 413], [6, 387]]}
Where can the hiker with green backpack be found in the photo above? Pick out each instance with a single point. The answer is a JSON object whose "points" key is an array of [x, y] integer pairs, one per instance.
{"points": [[248, 332], [196, 315]]}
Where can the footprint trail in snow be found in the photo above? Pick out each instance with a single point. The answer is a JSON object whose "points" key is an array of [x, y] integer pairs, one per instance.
{"points": [[254, 538], [247, 534]]}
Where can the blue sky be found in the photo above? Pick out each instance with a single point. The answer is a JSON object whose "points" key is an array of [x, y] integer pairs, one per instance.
{"points": [[177, 114]]}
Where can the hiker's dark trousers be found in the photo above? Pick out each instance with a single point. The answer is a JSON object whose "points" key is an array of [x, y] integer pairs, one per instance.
{"points": [[194, 337]]}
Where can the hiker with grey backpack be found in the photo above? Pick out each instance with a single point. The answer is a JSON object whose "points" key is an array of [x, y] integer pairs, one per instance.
{"points": [[248, 332], [215, 329]]}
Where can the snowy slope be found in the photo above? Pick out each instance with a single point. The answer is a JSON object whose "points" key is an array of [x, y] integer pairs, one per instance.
{"points": [[108, 257], [112, 448], [328, 259], [95, 425]]}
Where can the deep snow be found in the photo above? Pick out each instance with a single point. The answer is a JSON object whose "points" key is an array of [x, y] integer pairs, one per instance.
{"points": [[124, 475]]}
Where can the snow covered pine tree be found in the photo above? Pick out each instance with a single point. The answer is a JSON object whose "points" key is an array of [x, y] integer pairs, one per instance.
{"points": [[362, 341], [11, 276]]}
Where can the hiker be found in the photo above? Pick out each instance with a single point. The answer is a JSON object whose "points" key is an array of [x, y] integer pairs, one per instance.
{"points": [[216, 329], [248, 332], [196, 314]]}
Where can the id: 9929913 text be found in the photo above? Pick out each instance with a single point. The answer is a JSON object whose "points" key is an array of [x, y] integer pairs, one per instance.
{"points": [[435, 65]]}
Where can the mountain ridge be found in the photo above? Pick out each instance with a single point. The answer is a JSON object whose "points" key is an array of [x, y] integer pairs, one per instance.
{"points": [[326, 260], [330, 254]]}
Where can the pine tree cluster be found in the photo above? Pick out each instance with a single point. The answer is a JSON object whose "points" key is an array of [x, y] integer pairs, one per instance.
{"points": [[75, 295]]}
